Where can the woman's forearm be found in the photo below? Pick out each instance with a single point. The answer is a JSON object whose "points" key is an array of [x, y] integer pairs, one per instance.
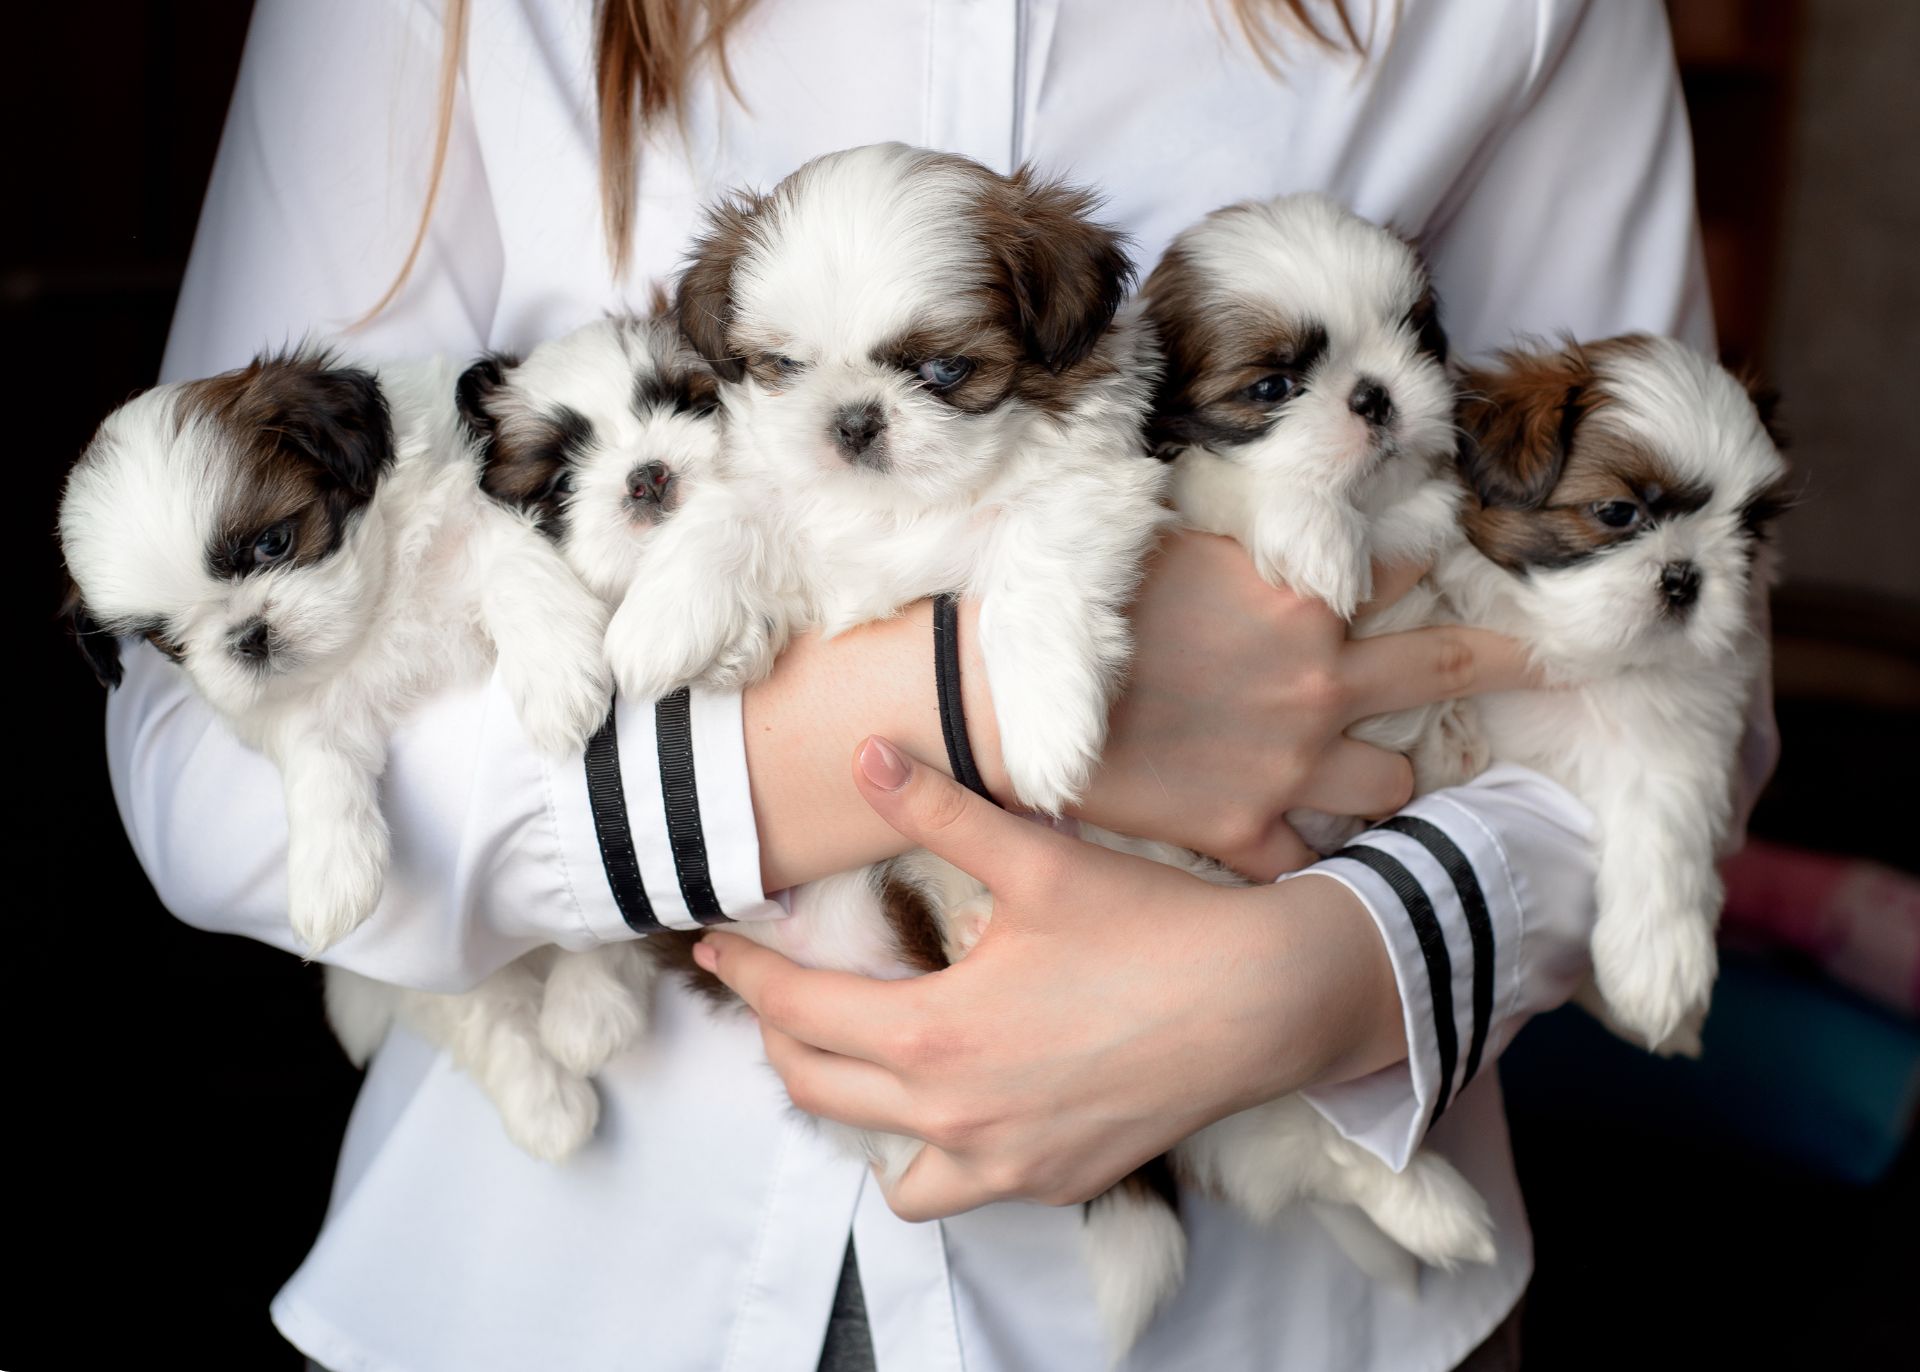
{"points": [[804, 722]]}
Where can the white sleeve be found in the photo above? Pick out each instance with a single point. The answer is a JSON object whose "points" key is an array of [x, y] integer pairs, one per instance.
{"points": [[1483, 895], [312, 205]]}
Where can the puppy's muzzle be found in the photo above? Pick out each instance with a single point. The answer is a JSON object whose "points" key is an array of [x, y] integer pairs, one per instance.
{"points": [[856, 431], [647, 485], [1371, 402], [1680, 584], [252, 642]]}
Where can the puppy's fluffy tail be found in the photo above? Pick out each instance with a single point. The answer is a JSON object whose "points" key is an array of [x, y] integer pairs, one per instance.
{"points": [[1136, 1254]]}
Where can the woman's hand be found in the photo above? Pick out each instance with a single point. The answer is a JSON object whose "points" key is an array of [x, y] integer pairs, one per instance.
{"points": [[1113, 1007], [1240, 696]]}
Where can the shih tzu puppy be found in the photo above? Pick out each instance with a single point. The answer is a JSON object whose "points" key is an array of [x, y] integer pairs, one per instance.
{"points": [[1621, 494], [1308, 412], [1307, 409], [928, 385], [598, 435], [308, 541]]}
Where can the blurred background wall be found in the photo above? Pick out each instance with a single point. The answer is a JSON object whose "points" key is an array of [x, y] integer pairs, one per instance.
{"points": [[178, 1102]]}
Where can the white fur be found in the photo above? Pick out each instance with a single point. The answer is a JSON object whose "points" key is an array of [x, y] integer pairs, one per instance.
{"points": [[430, 584], [1648, 717]]}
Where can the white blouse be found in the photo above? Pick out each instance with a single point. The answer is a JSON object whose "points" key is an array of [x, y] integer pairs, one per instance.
{"points": [[1537, 148]]}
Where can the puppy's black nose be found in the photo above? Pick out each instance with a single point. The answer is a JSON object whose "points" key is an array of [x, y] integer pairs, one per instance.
{"points": [[856, 426], [1371, 402], [250, 641], [1680, 583], [648, 483]]}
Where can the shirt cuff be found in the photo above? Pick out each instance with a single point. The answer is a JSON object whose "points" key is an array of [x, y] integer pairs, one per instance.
{"points": [[1483, 897], [656, 822]]}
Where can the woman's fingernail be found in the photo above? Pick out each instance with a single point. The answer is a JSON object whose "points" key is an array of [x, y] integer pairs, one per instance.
{"points": [[883, 765], [706, 955]]}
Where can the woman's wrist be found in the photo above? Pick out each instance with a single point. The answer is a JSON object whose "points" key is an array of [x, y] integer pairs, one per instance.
{"points": [[1333, 978], [803, 722]]}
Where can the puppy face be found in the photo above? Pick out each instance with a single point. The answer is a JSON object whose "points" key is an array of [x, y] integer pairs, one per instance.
{"points": [[1303, 342], [888, 318], [599, 434], [1626, 485], [227, 522]]}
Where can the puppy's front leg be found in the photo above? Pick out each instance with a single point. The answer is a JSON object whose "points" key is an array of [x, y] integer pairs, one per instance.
{"points": [[699, 608], [1055, 636], [1317, 547], [337, 848], [1659, 894], [548, 631]]}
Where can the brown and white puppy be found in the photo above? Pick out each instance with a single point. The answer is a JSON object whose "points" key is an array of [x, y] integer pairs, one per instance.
{"points": [[1622, 492], [1307, 409], [307, 539], [1308, 412], [928, 385]]}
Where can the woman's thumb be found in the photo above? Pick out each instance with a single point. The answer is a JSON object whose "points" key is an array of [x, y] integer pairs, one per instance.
{"points": [[939, 814]]}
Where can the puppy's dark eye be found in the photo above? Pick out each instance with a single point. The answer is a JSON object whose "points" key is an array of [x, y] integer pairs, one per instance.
{"points": [[274, 544], [1269, 390], [783, 364], [1617, 514], [944, 373]]}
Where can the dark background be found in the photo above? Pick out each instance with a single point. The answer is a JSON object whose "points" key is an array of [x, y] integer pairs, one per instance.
{"points": [[179, 1103]]}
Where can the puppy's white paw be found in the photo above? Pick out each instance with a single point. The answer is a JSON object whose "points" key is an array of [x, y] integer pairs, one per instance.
{"points": [[563, 702], [656, 645], [549, 1112], [749, 658], [1435, 1214], [1318, 551], [588, 1012], [1049, 754], [334, 880], [962, 926], [1452, 751], [1655, 971]]}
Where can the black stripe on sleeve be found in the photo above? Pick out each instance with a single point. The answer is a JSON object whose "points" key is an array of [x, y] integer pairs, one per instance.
{"points": [[609, 801], [1473, 903], [1433, 947], [673, 728]]}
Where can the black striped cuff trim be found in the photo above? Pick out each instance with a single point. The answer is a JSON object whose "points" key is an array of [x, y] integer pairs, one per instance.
{"points": [[1433, 948], [946, 680], [609, 801], [1473, 904], [673, 729]]}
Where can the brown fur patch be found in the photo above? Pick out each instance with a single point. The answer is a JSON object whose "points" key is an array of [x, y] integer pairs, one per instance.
{"points": [[703, 300], [312, 438], [525, 457]]}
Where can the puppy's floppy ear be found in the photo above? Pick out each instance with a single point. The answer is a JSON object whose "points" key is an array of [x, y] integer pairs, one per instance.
{"points": [[475, 395], [703, 299], [1066, 273], [1517, 420], [100, 647], [333, 416]]}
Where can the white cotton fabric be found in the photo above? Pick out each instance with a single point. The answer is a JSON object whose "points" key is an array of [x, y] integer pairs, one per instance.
{"points": [[1536, 148]]}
